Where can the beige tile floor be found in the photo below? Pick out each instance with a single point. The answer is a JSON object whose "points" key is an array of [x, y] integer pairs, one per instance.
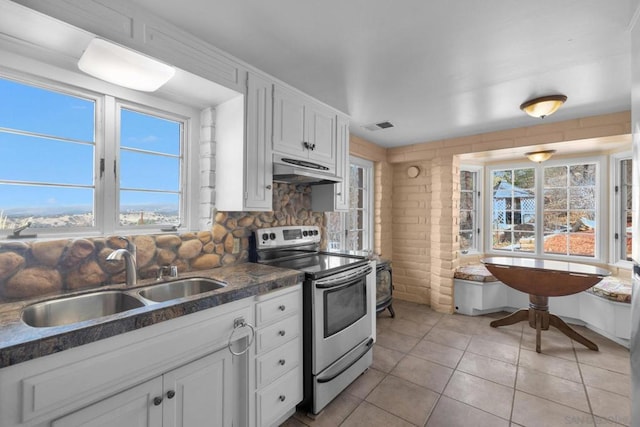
{"points": [[431, 369]]}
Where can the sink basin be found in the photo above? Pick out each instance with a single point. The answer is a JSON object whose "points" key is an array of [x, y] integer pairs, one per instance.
{"points": [[65, 311], [180, 289]]}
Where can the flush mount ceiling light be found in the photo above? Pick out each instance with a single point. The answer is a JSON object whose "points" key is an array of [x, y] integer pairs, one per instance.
{"points": [[124, 67], [543, 106], [540, 156]]}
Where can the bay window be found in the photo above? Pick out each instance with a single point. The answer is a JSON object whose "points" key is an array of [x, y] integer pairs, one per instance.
{"points": [[550, 209]]}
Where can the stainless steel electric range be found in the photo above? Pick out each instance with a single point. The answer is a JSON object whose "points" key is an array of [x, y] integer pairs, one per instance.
{"points": [[338, 306]]}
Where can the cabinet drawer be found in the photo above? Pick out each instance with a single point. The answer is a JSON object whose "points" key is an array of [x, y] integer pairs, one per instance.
{"points": [[278, 308], [277, 334], [277, 362], [276, 399]]}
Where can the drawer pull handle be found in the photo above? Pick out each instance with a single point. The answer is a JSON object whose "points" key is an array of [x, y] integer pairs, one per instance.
{"points": [[170, 394], [157, 401], [240, 323], [282, 307], [281, 333], [281, 362], [282, 398]]}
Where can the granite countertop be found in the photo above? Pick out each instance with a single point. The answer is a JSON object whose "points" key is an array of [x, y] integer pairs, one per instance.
{"points": [[20, 343]]}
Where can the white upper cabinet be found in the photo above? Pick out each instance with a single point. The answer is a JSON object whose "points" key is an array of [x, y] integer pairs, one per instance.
{"points": [[335, 197], [244, 171], [303, 129]]}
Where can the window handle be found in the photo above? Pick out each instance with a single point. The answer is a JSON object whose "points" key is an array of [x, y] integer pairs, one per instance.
{"points": [[115, 174], [101, 167]]}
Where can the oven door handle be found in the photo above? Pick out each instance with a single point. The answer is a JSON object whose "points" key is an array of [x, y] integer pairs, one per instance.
{"points": [[335, 375], [343, 278]]}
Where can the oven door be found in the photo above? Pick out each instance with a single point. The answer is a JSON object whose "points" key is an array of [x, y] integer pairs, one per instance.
{"points": [[343, 310]]}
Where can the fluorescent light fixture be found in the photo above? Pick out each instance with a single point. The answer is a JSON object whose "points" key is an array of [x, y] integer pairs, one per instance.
{"points": [[118, 65], [540, 156], [543, 106]]}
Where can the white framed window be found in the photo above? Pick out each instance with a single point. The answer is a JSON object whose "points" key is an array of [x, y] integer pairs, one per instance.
{"points": [[513, 209], [152, 195], [551, 210], [470, 209], [353, 230], [622, 224], [81, 162]]}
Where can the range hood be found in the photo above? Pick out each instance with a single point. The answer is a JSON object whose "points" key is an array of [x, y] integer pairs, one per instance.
{"points": [[296, 171]]}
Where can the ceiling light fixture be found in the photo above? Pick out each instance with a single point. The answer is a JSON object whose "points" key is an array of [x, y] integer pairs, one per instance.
{"points": [[540, 156], [543, 106], [124, 67]]}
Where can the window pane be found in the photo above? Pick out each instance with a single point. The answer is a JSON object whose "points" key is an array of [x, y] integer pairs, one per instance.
{"points": [[149, 171], [626, 200], [32, 109], [556, 243], [582, 175], [335, 230], [555, 176], [146, 132], [466, 200], [555, 222], [582, 198], [51, 158], [569, 217], [513, 209], [467, 180], [32, 159], [555, 198], [45, 206], [142, 208]]}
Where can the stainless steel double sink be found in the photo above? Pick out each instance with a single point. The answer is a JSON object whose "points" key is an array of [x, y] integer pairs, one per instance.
{"points": [[69, 310]]}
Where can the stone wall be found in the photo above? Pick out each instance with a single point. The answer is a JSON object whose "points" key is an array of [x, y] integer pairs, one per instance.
{"points": [[38, 268]]}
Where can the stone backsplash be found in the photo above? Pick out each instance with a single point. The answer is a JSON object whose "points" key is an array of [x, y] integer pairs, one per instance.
{"points": [[39, 268]]}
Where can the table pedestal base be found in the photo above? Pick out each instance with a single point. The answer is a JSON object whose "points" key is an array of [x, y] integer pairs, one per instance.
{"points": [[539, 318]]}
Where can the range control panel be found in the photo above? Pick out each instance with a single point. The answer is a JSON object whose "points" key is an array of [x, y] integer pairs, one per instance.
{"points": [[287, 235]]}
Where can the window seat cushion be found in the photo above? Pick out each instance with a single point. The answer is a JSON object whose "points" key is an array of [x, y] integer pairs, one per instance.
{"points": [[474, 273], [613, 288]]}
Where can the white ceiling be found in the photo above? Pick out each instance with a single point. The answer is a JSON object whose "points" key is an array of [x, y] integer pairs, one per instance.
{"points": [[437, 69]]}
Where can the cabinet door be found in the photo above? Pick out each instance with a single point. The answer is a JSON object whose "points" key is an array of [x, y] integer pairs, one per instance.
{"points": [[258, 161], [320, 128], [131, 408], [203, 392], [288, 123], [342, 166]]}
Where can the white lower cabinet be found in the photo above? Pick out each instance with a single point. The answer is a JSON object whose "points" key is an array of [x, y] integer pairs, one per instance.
{"points": [[130, 408], [197, 394], [174, 373], [278, 362]]}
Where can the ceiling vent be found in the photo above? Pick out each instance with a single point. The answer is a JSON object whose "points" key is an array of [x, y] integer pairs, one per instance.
{"points": [[378, 126]]}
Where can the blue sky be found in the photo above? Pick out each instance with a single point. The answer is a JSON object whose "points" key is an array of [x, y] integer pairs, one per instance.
{"points": [[27, 158]]}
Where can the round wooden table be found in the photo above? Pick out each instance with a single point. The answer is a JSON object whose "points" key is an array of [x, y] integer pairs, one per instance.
{"points": [[542, 279]]}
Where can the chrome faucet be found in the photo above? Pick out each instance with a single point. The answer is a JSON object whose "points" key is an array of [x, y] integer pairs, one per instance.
{"points": [[171, 270], [129, 255]]}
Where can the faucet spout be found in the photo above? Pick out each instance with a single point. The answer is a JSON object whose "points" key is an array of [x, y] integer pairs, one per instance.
{"points": [[129, 256]]}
